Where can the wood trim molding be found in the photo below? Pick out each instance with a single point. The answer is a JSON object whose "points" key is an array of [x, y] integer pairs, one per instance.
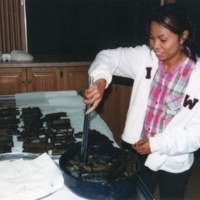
{"points": [[169, 1]]}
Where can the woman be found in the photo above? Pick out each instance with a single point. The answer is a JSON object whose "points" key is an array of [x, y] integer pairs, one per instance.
{"points": [[163, 120]]}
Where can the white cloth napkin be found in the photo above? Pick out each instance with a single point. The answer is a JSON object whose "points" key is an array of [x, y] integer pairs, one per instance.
{"points": [[29, 179]]}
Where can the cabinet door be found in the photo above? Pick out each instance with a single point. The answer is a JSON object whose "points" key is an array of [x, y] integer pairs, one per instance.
{"points": [[43, 79], [74, 78], [114, 107], [12, 81]]}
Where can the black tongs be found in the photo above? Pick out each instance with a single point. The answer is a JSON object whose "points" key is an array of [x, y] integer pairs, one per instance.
{"points": [[86, 125]]}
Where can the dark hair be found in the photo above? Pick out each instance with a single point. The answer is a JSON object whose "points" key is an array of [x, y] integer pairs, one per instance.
{"points": [[174, 18]]}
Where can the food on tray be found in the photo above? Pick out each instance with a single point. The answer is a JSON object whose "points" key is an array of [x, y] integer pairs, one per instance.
{"points": [[103, 168]]}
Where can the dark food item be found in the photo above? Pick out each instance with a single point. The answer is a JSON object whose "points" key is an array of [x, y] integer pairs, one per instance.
{"points": [[8, 119], [5, 132], [95, 138], [57, 120], [8, 128], [52, 116], [102, 168], [5, 149], [63, 140], [31, 112], [31, 134], [62, 143], [53, 132], [6, 143], [36, 146], [59, 123], [31, 117], [5, 112], [32, 124], [60, 149]]}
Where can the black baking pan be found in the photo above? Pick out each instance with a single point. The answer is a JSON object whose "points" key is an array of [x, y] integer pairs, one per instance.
{"points": [[114, 189]]}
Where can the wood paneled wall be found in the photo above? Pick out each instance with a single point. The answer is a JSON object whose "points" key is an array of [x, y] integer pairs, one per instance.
{"points": [[11, 25], [169, 1]]}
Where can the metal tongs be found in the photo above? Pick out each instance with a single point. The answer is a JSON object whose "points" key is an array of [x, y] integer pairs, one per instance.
{"points": [[86, 125]]}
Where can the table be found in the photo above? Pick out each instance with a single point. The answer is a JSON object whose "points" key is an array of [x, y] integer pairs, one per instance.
{"points": [[71, 102]]}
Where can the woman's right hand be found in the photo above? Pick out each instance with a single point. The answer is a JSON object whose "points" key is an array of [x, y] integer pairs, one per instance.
{"points": [[94, 94]]}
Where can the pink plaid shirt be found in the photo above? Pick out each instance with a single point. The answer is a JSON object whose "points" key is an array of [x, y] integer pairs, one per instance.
{"points": [[165, 97]]}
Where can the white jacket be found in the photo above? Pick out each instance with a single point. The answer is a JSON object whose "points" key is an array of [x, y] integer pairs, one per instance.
{"points": [[172, 150]]}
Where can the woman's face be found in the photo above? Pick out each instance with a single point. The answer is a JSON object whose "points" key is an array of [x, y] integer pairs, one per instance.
{"points": [[165, 43]]}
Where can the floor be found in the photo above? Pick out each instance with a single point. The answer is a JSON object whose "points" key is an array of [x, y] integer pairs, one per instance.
{"points": [[193, 189]]}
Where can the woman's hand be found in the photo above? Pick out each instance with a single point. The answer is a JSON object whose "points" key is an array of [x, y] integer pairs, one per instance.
{"points": [[142, 146], [94, 94]]}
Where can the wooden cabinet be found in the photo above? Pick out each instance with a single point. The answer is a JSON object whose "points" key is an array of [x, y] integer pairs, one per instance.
{"points": [[114, 106], [11, 80], [18, 80], [42, 79], [74, 78], [42, 76]]}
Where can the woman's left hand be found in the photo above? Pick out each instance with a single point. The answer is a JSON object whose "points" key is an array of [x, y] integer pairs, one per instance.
{"points": [[142, 146]]}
